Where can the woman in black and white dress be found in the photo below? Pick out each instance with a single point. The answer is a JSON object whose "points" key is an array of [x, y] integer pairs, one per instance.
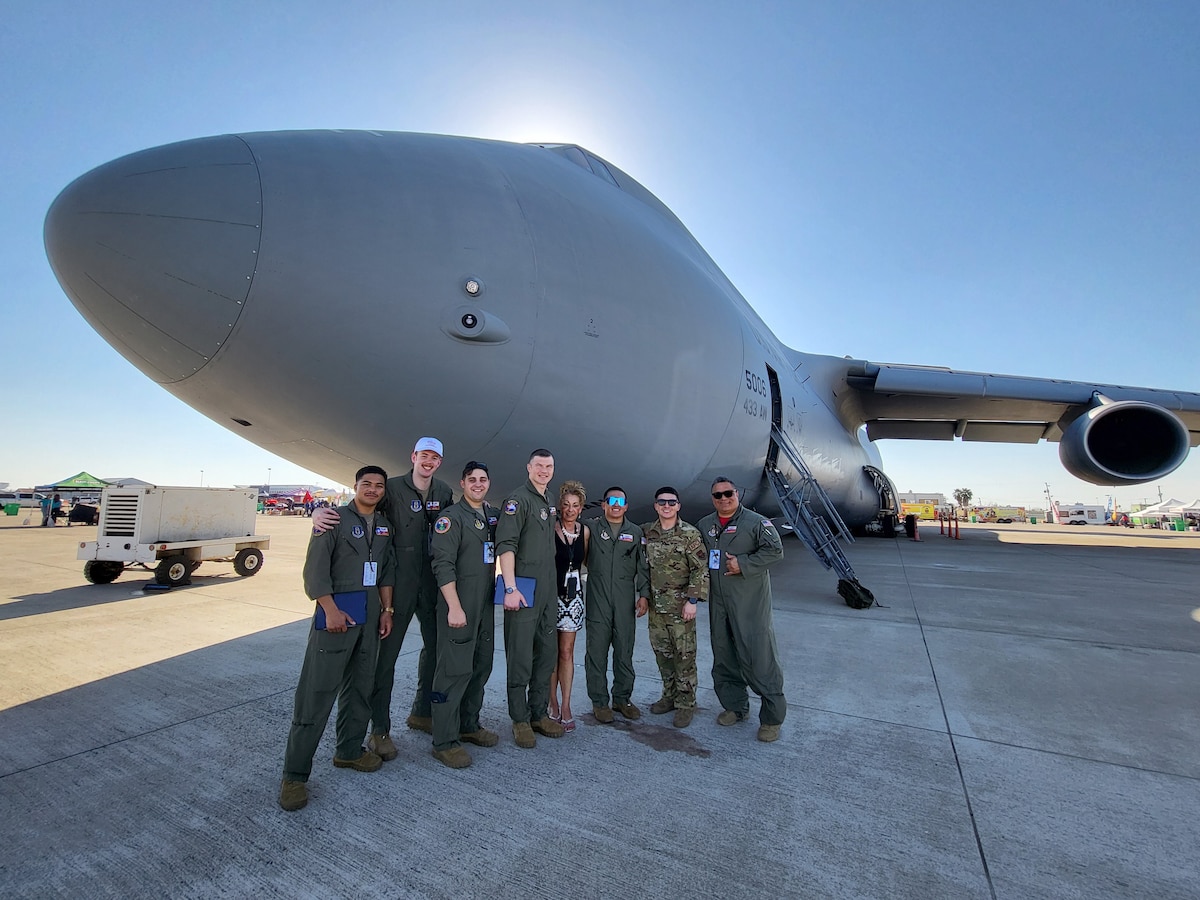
{"points": [[570, 550]]}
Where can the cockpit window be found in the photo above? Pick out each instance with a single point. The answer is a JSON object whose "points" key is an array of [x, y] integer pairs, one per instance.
{"points": [[584, 160], [574, 154], [612, 175], [601, 170]]}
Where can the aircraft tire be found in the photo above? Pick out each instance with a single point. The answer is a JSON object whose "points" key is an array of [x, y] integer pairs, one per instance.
{"points": [[248, 561]]}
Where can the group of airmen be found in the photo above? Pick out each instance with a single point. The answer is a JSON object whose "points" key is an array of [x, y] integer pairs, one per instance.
{"points": [[403, 547]]}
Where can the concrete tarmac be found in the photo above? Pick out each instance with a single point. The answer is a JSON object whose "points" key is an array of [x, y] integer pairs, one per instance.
{"points": [[1018, 721]]}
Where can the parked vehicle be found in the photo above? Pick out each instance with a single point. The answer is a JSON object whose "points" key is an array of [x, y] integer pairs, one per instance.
{"points": [[175, 527], [28, 499]]}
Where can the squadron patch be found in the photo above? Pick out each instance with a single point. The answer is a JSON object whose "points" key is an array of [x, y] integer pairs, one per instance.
{"points": [[510, 507], [604, 535], [712, 532], [545, 515], [415, 506], [442, 525], [626, 537], [357, 531], [492, 520], [732, 529], [478, 525]]}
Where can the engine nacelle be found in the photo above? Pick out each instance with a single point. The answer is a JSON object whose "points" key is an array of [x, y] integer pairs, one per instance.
{"points": [[1124, 442]]}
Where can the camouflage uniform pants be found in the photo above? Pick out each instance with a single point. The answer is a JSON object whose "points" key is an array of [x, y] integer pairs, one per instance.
{"points": [[674, 643]]}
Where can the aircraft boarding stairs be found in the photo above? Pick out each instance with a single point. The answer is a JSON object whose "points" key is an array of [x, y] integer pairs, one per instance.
{"points": [[812, 527]]}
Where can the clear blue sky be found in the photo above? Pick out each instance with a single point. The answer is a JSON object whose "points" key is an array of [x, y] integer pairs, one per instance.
{"points": [[1009, 187]]}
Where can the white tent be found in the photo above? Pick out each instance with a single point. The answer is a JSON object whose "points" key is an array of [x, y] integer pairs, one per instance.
{"points": [[1192, 508], [1158, 510]]}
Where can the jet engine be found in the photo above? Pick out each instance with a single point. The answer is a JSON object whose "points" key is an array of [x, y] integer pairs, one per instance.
{"points": [[1123, 442]]}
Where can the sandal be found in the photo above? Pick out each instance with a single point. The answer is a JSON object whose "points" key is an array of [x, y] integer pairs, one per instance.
{"points": [[568, 725], [554, 717]]}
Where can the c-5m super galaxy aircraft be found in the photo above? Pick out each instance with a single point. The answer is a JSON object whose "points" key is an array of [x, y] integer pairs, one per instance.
{"points": [[509, 296]]}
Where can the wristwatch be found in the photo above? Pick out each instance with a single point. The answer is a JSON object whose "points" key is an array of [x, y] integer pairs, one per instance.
{"points": [[509, 590], [389, 609], [691, 600]]}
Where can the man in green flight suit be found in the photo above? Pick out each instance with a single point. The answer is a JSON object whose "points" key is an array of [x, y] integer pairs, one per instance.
{"points": [[347, 567], [678, 580], [618, 584], [464, 564], [742, 545], [525, 548], [414, 501]]}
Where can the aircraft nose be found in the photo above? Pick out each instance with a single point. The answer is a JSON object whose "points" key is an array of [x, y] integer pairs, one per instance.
{"points": [[157, 250]]}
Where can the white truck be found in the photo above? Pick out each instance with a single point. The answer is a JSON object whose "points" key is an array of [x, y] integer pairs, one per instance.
{"points": [[175, 528]]}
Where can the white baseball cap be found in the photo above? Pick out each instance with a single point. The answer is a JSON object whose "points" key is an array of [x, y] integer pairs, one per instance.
{"points": [[429, 443]]}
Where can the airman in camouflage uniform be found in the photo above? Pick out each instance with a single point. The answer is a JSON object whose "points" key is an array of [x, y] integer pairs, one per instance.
{"points": [[678, 579]]}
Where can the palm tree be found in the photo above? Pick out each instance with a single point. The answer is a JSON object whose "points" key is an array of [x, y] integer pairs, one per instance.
{"points": [[962, 496]]}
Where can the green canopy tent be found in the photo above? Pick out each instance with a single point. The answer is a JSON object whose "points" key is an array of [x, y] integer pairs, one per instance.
{"points": [[81, 482]]}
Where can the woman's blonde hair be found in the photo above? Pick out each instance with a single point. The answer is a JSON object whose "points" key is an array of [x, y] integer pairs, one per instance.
{"points": [[572, 487]]}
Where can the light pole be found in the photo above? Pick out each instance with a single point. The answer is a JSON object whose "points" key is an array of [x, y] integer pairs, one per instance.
{"points": [[268, 481], [201, 478]]}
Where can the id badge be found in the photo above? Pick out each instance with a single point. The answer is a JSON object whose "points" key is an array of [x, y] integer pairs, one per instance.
{"points": [[714, 559], [489, 552], [370, 571]]}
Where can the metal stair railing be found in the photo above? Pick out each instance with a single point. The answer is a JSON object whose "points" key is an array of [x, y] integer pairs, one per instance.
{"points": [[819, 530]]}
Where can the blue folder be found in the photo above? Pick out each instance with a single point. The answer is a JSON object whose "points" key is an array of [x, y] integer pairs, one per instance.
{"points": [[525, 585], [353, 603]]}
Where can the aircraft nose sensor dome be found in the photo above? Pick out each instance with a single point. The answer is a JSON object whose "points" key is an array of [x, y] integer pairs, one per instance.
{"points": [[157, 250]]}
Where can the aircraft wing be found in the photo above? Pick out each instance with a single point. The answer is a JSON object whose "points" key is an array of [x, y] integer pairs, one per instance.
{"points": [[1109, 434]]}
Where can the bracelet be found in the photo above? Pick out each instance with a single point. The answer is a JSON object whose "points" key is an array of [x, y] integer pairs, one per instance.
{"points": [[388, 609]]}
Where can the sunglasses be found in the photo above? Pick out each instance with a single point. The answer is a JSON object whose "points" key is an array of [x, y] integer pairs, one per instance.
{"points": [[717, 495], [665, 502], [615, 501]]}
